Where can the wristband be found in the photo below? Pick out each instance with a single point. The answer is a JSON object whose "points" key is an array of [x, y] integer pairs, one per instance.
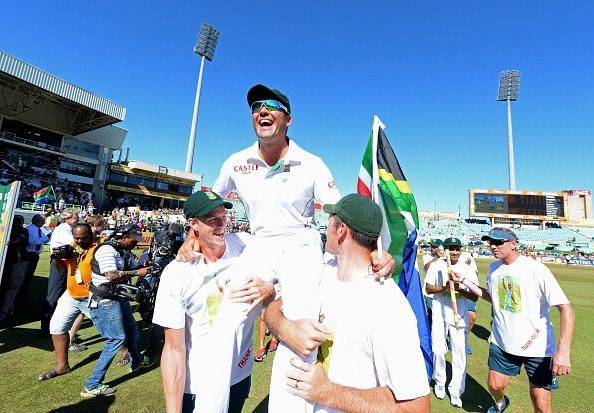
{"points": [[462, 282]]}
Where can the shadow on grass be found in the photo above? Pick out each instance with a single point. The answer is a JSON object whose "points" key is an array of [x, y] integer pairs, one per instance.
{"points": [[262, 407], [17, 337], [95, 405], [475, 398]]}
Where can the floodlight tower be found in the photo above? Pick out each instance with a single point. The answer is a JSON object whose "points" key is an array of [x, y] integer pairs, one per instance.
{"points": [[509, 86], [205, 47]]}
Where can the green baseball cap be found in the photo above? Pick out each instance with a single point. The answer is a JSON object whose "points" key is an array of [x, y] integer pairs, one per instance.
{"points": [[436, 242], [261, 92], [359, 213], [452, 242], [201, 203]]}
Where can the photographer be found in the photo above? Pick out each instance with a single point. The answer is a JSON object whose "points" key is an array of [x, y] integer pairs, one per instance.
{"points": [[113, 263], [56, 283], [75, 299]]}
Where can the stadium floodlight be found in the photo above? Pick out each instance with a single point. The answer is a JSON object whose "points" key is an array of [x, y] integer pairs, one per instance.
{"points": [[205, 47], [509, 87]]}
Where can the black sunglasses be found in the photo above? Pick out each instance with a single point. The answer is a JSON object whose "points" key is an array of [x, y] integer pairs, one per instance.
{"points": [[497, 242]]}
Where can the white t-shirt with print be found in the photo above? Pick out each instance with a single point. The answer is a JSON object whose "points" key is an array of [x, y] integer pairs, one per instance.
{"points": [[522, 294], [375, 342], [189, 297]]}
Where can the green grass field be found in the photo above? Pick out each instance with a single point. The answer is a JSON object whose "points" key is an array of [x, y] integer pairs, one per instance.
{"points": [[23, 356]]}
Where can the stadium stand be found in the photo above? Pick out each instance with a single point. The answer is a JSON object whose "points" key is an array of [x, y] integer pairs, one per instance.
{"points": [[550, 235]]}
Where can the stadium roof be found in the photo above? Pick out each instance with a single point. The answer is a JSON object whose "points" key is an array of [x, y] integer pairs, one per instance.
{"points": [[33, 96], [143, 167], [111, 136]]}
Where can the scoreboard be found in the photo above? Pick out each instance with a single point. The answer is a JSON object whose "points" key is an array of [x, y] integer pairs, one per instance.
{"points": [[518, 204]]}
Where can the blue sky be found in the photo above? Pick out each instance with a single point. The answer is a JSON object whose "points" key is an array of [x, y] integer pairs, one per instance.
{"points": [[429, 69]]}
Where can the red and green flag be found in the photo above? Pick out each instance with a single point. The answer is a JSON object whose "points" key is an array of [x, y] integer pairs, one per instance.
{"points": [[44, 195], [381, 179]]}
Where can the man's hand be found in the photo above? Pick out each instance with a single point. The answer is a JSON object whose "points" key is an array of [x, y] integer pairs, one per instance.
{"points": [[308, 381], [254, 291], [143, 271], [382, 267], [561, 363], [187, 252], [304, 336], [456, 276], [455, 283]]}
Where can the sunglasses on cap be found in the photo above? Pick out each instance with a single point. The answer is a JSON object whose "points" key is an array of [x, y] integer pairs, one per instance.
{"points": [[497, 242], [270, 105]]}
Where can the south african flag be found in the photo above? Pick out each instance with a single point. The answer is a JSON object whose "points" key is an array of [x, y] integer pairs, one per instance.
{"points": [[44, 195], [381, 179]]}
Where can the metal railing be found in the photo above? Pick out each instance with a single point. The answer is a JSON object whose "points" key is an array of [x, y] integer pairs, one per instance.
{"points": [[11, 137]]}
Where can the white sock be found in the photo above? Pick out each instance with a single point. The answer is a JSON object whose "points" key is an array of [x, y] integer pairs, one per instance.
{"points": [[499, 404]]}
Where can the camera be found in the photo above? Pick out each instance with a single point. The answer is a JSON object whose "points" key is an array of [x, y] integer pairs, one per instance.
{"points": [[166, 244], [63, 252]]}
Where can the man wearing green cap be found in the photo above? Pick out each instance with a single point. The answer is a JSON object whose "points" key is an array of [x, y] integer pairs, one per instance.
{"points": [[446, 323], [368, 360], [189, 306]]}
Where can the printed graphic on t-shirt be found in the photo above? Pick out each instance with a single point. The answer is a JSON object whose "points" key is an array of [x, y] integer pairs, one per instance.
{"points": [[213, 302], [325, 349], [510, 296]]}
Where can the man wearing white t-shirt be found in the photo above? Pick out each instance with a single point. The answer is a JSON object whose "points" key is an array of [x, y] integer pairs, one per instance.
{"points": [[446, 324], [522, 291], [188, 303], [368, 360]]}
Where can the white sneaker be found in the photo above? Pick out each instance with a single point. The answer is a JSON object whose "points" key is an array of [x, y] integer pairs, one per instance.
{"points": [[439, 392], [456, 401]]}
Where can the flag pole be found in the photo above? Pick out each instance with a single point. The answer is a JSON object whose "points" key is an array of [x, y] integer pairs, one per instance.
{"points": [[457, 317], [377, 124]]}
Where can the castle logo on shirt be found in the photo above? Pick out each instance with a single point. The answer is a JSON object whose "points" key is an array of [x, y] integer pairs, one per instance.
{"points": [[245, 169]]}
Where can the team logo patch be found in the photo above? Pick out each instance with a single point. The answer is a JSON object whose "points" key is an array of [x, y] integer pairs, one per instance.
{"points": [[210, 195]]}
